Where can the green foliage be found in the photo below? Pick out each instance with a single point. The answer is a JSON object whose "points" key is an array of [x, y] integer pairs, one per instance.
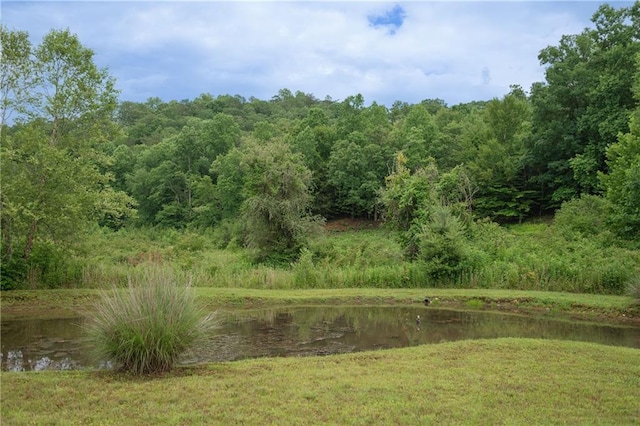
{"points": [[174, 180], [406, 196], [146, 327], [305, 272], [544, 259], [16, 72], [532, 256], [584, 104], [426, 208], [13, 273], [415, 136], [586, 217], [622, 183], [356, 170], [498, 170], [276, 201], [442, 245], [358, 160], [54, 181]]}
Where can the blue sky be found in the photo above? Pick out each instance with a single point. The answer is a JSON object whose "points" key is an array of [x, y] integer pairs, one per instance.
{"points": [[458, 51]]}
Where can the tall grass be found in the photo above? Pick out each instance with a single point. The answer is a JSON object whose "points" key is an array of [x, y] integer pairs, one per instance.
{"points": [[633, 288], [531, 256], [145, 327]]}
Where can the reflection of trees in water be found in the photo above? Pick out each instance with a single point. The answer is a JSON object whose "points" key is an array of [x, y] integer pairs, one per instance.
{"points": [[389, 327]]}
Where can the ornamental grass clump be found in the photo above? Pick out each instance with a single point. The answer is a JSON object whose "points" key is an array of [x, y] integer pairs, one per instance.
{"points": [[146, 327], [633, 289]]}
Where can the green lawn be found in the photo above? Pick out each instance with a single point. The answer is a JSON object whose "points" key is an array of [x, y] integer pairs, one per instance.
{"points": [[503, 381]]}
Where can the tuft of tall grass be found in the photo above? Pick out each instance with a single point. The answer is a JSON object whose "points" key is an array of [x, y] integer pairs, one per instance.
{"points": [[633, 288], [145, 327]]}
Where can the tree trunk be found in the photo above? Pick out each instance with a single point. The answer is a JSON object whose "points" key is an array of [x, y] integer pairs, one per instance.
{"points": [[30, 237]]}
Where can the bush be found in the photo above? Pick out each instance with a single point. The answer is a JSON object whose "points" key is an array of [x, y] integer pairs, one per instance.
{"points": [[583, 217], [50, 265], [306, 275], [13, 273], [442, 245], [147, 326]]}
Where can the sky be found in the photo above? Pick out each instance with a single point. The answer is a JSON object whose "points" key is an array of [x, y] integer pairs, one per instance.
{"points": [[457, 51]]}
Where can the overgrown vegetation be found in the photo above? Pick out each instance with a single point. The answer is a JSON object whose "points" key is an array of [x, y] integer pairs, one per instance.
{"points": [[532, 256], [147, 326], [235, 190]]}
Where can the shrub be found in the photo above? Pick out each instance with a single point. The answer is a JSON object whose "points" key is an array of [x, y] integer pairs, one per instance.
{"points": [[145, 327], [306, 275], [12, 273], [442, 245], [585, 216]]}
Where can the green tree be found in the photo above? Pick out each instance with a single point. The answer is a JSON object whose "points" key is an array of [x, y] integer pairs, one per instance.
{"points": [[226, 190], [172, 179], [408, 199], [16, 72], [356, 171], [622, 183], [415, 136], [160, 186], [442, 244], [276, 202], [584, 104], [359, 160], [53, 168], [460, 133], [498, 169], [314, 139], [421, 206]]}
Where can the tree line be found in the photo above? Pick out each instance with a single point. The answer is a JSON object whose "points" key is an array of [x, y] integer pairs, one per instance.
{"points": [[270, 171]]}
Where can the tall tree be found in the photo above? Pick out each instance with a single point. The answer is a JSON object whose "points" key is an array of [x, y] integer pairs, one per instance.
{"points": [[584, 103], [53, 172], [415, 136], [277, 200], [622, 182], [498, 168], [16, 72]]}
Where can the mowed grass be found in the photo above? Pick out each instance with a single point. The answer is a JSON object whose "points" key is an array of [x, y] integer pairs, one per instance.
{"points": [[62, 303], [502, 381]]}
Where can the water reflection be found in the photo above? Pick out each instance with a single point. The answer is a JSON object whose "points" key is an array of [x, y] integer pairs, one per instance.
{"points": [[34, 345], [304, 331]]}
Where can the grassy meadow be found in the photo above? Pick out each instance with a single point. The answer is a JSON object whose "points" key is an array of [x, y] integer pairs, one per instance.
{"points": [[502, 381]]}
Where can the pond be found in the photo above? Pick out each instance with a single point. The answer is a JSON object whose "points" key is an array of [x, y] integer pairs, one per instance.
{"points": [[60, 344]]}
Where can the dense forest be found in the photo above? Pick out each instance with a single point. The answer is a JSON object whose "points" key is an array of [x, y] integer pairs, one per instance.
{"points": [[266, 174]]}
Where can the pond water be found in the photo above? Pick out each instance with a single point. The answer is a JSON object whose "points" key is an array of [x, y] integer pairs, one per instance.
{"points": [[60, 344]]}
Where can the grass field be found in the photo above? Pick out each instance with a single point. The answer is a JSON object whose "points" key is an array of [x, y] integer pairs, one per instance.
{"points": [[503, 381]]}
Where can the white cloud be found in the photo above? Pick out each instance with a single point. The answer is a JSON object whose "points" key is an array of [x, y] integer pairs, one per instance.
{"points": [[457, 51]]}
